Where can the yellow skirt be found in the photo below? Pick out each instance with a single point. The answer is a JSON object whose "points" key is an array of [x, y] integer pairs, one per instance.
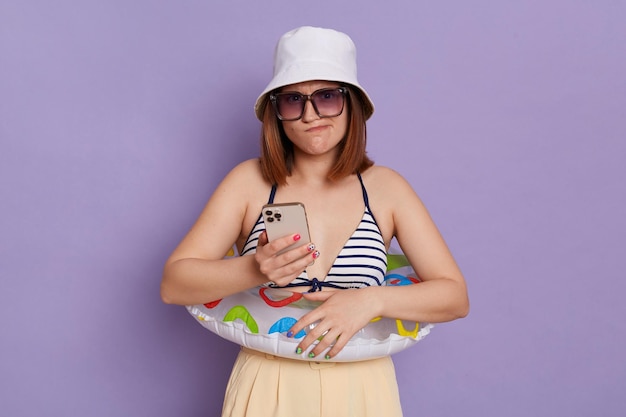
{"points": [[263, 385]]}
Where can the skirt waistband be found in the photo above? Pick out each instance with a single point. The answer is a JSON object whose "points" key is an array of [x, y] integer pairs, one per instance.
{"points": [[312, 364]]}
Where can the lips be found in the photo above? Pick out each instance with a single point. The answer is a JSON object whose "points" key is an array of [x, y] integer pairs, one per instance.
{"points": [[316, 129]]}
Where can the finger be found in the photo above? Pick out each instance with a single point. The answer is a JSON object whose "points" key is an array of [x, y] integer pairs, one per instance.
{"points": [[339, 344], [283, 242], [290, 264], [283, 269], [313, 337], [307, 253], [318, 295], [327, 340], [304, 323], [269, 251], [262, 239]]}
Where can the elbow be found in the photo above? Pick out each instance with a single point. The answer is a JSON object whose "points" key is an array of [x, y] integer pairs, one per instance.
{"points": [[458, 305], [169, 290], [462, 305], [462, 308], [166, 297], [456, 312], [166, 300]]}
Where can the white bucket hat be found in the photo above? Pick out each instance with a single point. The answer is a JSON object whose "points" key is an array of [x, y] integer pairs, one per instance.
{"points": [[309, 53]]}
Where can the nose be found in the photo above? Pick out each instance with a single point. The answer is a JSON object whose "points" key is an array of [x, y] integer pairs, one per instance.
{"points": [[309, 114]]}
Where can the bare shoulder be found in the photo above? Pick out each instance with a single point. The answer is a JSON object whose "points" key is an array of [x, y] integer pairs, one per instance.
{"points": [[228, 215], [244, 179], [245, 171], [238, 190], [242, 194], [390, 196], [386, 184]]}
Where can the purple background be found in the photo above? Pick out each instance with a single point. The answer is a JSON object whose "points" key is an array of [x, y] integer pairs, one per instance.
{"points": [[118, 118]]}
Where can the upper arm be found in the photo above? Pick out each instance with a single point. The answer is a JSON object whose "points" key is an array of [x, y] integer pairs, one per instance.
{"points": [[415, 230], [221, 221]]}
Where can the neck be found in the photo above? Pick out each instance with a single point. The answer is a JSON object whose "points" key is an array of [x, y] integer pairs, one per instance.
{"points": [[311, 168]]}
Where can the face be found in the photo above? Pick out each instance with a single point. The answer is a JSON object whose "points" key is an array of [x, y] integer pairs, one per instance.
{"points": [[312, 134]]}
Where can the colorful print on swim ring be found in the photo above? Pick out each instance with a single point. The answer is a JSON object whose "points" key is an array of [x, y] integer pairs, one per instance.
{"points": [[259, 319]]}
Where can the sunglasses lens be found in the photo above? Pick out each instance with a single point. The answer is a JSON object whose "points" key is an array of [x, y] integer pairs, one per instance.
{"points": [[289, 105], [327, 103]]}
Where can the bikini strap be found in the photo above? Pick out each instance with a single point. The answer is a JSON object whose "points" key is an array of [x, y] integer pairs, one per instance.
{"points": [[365, 198], [272, 194]]}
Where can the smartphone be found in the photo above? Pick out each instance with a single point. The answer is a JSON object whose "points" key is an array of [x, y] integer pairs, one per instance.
{"points": [[284, 219]]}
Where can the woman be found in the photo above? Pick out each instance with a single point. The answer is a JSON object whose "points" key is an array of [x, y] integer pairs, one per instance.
{"points": [[313, 151]]}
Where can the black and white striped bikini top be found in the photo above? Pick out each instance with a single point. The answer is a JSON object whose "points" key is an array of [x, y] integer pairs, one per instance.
{"points": [[362, 261]]}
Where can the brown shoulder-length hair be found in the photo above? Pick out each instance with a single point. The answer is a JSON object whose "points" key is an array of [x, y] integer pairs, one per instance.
{"points": [[277, 150]]}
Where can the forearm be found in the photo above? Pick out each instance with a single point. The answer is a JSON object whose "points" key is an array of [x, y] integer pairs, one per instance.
{"points": [[197, 281], [432, 301]]}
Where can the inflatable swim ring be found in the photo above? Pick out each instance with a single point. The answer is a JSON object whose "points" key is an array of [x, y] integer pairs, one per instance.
{"points": [[259, 319]]}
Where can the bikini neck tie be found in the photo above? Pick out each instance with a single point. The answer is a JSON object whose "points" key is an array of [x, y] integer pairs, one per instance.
{"points": [[316, 285]]}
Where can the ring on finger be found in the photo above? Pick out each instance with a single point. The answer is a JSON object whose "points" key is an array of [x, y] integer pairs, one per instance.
{"points": [[322, 335]]}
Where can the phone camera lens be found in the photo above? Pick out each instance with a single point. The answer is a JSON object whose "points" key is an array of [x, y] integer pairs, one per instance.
{"points": [[270, 219], [278, 216]]}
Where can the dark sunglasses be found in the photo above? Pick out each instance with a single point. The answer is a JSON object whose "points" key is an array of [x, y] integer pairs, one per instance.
{"points": [[327, 102]]}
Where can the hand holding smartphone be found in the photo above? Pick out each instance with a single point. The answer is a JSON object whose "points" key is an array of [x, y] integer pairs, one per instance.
{"points": [[284, 219]]}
